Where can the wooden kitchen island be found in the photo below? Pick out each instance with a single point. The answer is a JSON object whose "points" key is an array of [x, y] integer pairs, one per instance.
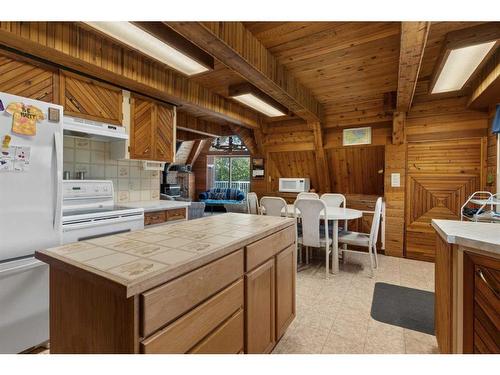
{"points": [[220, 284]]}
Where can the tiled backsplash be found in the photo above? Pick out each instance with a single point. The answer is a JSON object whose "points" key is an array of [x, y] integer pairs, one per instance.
{"points": [[130, 181]]}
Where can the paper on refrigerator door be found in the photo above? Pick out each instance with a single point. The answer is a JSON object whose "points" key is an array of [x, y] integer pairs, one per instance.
{"points": [[15, 159]]}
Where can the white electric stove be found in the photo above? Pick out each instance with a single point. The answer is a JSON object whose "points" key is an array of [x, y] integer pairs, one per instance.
{"points": [[89, 211]]}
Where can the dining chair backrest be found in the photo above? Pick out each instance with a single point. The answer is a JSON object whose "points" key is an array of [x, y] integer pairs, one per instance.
{"points": [[307, 195], [376, 221], [310, 214], [252, 204], [273, 206], [333, 199]]}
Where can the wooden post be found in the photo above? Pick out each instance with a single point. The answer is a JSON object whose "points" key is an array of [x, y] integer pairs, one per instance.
{"points": [[398, 128]]}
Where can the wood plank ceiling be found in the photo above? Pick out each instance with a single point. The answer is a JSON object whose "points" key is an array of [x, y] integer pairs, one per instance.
{"points": [[348, 66]]}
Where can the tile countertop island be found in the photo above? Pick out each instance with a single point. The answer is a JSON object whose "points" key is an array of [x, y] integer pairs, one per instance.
{"points": [[467, 270], [146, 291]]}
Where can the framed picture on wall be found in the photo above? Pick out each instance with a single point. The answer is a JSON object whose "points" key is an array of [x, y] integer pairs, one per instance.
{"points": [[357, 136], [258, 168]]}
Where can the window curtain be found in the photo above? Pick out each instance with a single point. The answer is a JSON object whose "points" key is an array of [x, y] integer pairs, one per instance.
{"points": [[495, 127]]}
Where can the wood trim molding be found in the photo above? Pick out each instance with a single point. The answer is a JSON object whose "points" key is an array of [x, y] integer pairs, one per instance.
{"points": [[67, 45], [413, 41], [236, 47]]}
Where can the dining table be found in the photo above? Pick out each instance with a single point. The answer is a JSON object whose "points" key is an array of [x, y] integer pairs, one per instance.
{"points": [[333, 214]]}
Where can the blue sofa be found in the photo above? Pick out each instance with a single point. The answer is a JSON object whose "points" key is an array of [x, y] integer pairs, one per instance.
{"points": [[221, 196]]}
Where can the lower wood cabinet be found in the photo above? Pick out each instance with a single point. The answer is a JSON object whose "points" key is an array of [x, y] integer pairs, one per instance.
{"points": [[270, 290], [286, 269], [481, 304], [158, 217], [260, 309]]}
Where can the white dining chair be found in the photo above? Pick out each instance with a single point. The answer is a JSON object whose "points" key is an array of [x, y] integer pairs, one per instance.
{"points": [[335, 200], [273, 206], [312, 236], [368, 240], [253, 204], [307, 195]]}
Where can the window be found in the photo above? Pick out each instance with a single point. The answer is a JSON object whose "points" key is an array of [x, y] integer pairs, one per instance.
{"points": [[228, 172]]}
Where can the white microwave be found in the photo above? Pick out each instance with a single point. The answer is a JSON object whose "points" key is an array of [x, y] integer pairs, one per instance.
{"points": [[294, 185]]}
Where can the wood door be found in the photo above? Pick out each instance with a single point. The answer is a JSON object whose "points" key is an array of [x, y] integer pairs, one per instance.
{"points": [[142, 121], [260, 309], [285, 289], [90, 99], [18, 77], [441, 175], [164, 134]]}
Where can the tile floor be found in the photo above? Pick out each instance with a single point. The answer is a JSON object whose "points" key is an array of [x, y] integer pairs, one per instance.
{"points": [[333, 316]]}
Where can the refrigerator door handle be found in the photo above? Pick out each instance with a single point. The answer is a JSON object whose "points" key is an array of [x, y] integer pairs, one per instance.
{"points": [[58, 179], [24, 267]]}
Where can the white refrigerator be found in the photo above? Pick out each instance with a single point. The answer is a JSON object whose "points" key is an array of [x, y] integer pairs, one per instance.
{"points": [[30, 216]]}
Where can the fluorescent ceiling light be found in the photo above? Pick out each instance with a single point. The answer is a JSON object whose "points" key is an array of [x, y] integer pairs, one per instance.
{"points": [[258, 104], [459, 66], [138, 39]]}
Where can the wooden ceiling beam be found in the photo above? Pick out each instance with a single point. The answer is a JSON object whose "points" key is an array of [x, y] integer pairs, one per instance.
{"points": [[413, 41], [196, 150], [236, 47], [485, 90], [248, 139], [193, 124], [68, 45]]}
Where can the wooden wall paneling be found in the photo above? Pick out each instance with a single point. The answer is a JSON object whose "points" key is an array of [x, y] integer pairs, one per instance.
{"points": [[291, 164], [86, 51], [188, 122], [355, 170], [413, 40], [235, 46], [199, 168], [90, 99], [28, 79], [441, 176], [395, 162]]}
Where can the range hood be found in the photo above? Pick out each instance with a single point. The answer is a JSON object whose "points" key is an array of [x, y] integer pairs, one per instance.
{"points": [[78, 127]]}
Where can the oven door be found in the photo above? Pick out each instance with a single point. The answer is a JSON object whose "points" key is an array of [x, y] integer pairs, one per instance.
{"points": [[75, 231]]}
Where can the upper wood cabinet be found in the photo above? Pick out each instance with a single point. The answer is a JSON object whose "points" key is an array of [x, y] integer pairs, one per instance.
{"points": [[151, 130], [30, 80], [142, 120], [86, 98]]}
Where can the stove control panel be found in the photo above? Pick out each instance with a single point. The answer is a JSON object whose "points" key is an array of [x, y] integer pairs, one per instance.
{"points": [[87, 189]]}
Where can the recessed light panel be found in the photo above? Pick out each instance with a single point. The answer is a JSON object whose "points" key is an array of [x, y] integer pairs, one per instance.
{"points": [[459, 66], [258, 104], [146, 43]]}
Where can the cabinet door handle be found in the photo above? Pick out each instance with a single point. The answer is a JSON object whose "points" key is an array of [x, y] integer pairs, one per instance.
{"points": [[490, 287], [146, 151]]}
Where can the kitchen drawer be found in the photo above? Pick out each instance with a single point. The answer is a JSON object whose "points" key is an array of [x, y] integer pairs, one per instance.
{"points": [[177, 214], [165, 303], [154, 217], [260, 251], [190, 329], [227, 339]]}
